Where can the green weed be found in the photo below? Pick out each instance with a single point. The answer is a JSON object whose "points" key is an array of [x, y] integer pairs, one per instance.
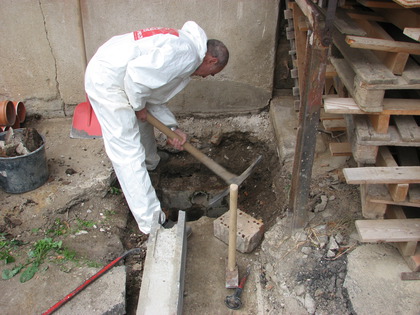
{"points": [[36, 256], [6, 247], [81, 224]]}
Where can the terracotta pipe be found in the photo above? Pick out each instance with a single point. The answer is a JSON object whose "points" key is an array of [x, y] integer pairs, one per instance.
{"points": [[7, 113], [20, 111]]}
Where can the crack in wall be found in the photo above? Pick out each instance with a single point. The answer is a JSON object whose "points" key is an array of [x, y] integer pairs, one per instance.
{"points": [[57, 83]]}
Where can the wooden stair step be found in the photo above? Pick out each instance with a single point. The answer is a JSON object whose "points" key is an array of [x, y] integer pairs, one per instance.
{"points": [[389, 230]]}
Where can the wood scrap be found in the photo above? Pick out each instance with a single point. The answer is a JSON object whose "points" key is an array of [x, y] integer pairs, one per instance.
{"points": [[410, 275]]}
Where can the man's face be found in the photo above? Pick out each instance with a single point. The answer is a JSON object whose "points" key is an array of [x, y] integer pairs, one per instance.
{"points": [[208, 67]]}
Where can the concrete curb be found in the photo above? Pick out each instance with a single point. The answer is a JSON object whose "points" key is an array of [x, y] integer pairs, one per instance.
{"points": [[162, 287]]}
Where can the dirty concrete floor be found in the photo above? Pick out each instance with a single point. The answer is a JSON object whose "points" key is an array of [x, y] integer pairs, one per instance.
{"points": [[290, 273]]}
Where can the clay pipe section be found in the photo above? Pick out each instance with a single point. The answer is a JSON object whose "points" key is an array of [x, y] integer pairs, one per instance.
{"points": [[7, 113]]}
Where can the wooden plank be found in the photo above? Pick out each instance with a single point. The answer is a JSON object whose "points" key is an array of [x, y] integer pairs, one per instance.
{"points": [[407, 128], [379, 194], [382, 175], [413, 262], [407, 156], [395, 61], [401, 17], [355, 85], [392, 106], [408, 3], [300, 44], [398, 192], [405, 248], [363, 15], [329, 116], [412, 32], [385, 158], [389, 230], [334, 124], [380, 122], [385, 4], [410, 275], [364, 63], [382, 44], [340, 148], [344, 23]]}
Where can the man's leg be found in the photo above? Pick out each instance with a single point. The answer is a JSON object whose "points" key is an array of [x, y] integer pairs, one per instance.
{"points": [[122, 141], [148, 141]]}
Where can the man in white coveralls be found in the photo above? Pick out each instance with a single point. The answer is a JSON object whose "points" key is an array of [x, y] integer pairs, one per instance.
{"points": [[136, 73]]}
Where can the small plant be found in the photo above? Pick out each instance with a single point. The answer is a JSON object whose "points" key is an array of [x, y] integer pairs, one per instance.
{"points": [[85, 224], [6, 246], [109, 213], [36, 257], [58, 228], [115, 191]]}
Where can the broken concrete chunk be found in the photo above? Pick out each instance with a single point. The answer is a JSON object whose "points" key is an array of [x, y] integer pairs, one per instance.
{"points": [[332, 245], [321, 207], [216, 138]]}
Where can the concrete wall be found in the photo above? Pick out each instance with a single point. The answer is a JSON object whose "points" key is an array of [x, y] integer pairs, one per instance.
{"points": [[45, 45]]}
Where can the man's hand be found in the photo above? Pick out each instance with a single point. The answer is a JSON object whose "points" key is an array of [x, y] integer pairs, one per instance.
{"points": [[142, 114], [177, 143]]}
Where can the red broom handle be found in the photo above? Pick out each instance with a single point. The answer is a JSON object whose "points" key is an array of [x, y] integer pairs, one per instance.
{"points": [[89, 281]]}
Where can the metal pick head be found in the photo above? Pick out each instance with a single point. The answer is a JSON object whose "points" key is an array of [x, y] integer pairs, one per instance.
{"points": [[236, 180]]}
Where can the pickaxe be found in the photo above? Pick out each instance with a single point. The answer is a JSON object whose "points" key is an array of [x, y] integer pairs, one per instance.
{"points": [[227, 176]]}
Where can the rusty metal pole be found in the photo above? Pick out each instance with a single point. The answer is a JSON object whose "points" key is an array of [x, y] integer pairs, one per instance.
{"points": [[318, 41]]}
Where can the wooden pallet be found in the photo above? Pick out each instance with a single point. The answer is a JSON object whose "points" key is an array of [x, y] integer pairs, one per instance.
{"points": [[378, 64], [389, 183], [365, 140]]}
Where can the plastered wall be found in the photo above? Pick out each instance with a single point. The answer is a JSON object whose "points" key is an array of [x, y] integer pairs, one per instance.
{"points": [[46, 44]]}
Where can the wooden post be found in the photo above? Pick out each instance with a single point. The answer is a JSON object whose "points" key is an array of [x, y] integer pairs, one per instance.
{"points": [[311, 100]]}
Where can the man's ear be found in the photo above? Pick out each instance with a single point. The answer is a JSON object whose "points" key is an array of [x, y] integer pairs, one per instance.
{"points": [[211, 60]]}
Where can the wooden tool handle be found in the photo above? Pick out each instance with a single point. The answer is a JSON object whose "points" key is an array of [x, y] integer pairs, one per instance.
{"points": [[233, 210], [212, 165]]}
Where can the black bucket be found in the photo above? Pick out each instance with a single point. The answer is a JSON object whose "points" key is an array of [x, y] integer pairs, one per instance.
{"points": [[23, 173]]}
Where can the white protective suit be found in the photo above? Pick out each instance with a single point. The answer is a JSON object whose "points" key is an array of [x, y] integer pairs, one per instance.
{"points": [[141, 69]]}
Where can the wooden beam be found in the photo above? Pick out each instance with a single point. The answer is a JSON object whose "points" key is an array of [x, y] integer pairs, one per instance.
{"points": [[389, 230], [380, 122], [412, 32], [382, 45], [362, 15], [405, 248], [392, 106], [395, 61], [382, 175], [398, 192], [383, 4], [401, 18], [408, 3], [334, 124], [340, 148]]}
